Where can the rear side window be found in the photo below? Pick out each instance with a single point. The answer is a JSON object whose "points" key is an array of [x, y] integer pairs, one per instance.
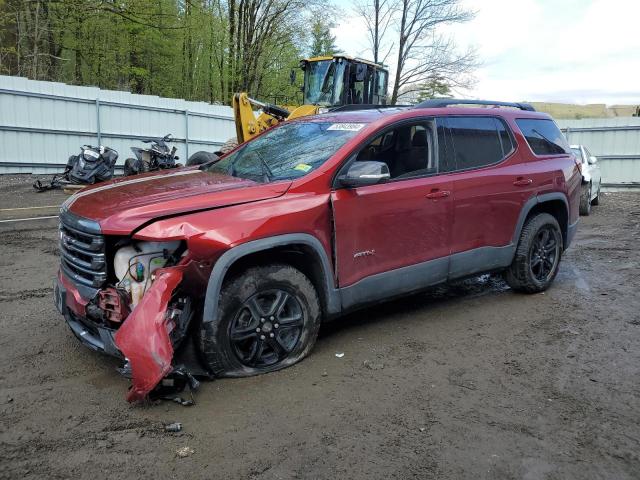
{"points": [[543, 136], [478, 141]]}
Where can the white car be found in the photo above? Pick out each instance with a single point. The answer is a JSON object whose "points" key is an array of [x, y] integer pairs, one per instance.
{"points": [[591, 178]]}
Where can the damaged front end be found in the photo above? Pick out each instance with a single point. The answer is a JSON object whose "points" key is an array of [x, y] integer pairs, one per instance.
{"points": [[133, 300]]}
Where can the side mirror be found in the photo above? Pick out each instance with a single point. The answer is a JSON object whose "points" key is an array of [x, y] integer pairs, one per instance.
{"points": [[362, 174], [592, 160]]}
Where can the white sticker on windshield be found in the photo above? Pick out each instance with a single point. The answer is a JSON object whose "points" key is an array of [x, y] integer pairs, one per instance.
{"points": [[350, 127]]}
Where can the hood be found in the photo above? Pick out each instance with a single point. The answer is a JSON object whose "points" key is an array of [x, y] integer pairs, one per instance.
{"points": [[121, 206]]}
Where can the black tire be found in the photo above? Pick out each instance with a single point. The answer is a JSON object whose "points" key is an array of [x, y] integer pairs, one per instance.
{"points": [[527, 271], [134, 166], [129, 167], [142, 166], [201, 157], [585, 200], [596, 201], [243, 309]]}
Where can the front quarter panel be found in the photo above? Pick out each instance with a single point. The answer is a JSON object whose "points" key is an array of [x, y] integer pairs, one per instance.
{"points": [[210, 233]]}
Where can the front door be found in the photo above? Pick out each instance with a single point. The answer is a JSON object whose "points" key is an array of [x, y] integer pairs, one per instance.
{"points": [[394, 236]]}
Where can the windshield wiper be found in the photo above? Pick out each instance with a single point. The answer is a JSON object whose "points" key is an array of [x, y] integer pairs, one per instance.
{"points": [[268, 173], [554, 146]]}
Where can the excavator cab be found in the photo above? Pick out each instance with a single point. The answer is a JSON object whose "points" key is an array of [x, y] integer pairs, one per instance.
{"points": [[329, 82], [337, 80]]}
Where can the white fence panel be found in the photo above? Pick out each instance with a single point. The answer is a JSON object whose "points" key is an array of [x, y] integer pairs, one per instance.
{"points": [[43, 123], [616, 143]]}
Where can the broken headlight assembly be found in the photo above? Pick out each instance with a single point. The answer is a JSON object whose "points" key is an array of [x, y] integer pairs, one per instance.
{"points": [[134, 266]]}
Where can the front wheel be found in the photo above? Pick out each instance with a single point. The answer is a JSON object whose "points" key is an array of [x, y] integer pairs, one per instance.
{"points": [[268, 319], [537, 257], [596, 201]]}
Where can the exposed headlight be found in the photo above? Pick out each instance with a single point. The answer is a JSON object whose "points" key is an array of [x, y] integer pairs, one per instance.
{"points": [[135, 265]]}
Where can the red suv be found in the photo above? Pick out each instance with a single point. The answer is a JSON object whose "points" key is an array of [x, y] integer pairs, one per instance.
{"points": [[229, 268]]}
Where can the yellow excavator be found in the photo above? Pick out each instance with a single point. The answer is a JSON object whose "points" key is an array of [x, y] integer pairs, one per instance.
{"points": [[330, 83]]}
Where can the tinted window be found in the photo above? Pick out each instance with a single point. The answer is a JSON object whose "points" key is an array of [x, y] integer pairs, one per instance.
{"points": [[543, 136], [478, 141], [505, 138], [446, 162], [407, 151]]}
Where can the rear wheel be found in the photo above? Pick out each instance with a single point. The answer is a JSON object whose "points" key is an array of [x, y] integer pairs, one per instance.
{"points": [[538, 255], [268, 319], [134, 166], [585, 200]]}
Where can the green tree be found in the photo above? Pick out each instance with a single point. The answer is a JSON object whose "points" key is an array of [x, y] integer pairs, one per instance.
{"points": [[195, 49], [322, 41], [434, 87]]}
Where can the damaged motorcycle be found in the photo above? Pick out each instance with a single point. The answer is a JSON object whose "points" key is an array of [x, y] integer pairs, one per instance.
{"points": [[158, 157], [91, 165]]}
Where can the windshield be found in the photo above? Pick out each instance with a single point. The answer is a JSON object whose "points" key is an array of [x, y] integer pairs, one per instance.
{"points": [[286, 152], [323, 82]]}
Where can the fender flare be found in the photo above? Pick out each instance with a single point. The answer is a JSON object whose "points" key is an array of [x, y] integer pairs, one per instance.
{"points": [[222, 265], [532, 202]]}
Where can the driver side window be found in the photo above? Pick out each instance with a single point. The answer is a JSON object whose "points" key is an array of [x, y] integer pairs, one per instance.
{"points": [[407, 150]]}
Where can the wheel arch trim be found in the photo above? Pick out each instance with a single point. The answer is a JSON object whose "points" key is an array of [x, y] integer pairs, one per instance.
{"points": [[536, 200], [227, 259]]}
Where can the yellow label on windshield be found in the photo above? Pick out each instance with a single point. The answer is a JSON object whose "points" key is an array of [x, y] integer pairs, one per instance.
{"points": [[303, 167]]}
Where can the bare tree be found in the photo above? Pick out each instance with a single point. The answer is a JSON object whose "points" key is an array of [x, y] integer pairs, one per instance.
{"points": [[423, 52], [378, 16]]}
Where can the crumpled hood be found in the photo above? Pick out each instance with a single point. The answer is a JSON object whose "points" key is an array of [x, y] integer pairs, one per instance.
{"points": [[124, 204]]}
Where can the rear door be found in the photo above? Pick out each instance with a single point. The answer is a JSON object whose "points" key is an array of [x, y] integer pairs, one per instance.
{"points": [[379, 229], [490, 186]]}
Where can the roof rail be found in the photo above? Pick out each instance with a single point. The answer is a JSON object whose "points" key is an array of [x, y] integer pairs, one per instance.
{"points": [[366, 106], [445, 102]]}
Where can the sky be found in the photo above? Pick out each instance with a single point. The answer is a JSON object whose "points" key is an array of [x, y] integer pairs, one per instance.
{"points": [[570, 51]]}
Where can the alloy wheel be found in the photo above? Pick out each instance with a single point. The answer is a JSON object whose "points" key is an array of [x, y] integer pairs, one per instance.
{"points": [[544, 254], [266, 328]]}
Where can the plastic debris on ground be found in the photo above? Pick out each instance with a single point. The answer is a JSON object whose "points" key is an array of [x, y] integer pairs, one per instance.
{"points": [[173, 427], [183, 452]]}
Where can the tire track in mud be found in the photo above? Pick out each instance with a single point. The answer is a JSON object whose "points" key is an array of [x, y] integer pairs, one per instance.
{"points": [[26, 294]]}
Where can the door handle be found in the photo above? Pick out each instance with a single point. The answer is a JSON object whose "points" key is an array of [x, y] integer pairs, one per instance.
{"points": [[522, 182], [438, 194]]}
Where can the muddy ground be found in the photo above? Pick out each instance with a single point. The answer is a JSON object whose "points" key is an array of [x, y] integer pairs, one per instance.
{"points": [[471, 381]]}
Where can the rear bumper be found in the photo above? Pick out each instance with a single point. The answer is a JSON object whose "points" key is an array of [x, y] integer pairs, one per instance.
{"points": [[71, 305]]}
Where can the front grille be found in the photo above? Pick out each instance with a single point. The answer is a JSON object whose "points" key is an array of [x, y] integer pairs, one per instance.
{"points": [[82, 250]]}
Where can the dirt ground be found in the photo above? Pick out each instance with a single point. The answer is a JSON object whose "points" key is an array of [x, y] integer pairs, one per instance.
{"points": [[470, 381]]}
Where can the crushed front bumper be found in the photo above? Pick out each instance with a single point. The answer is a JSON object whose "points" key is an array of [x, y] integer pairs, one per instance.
{"points": [[72, 305], [142, 341]]}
